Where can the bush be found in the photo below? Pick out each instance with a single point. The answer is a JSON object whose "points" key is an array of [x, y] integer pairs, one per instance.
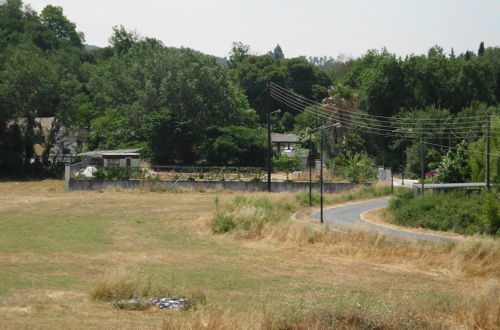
{"points": [[355, 167], [303, 197], [287, 164], [118, 173], [447, 211], [222, 223]]}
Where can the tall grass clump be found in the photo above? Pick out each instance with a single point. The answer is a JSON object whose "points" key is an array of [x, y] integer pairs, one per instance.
{"points": [[448, 211], [250, 213], [113, 287]]}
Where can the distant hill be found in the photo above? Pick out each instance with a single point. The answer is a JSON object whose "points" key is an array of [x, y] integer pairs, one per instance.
{"points": [[221, 60], [91, 47]]}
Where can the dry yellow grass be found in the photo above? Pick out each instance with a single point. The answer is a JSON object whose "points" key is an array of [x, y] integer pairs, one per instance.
{"points": [[57, 247]]}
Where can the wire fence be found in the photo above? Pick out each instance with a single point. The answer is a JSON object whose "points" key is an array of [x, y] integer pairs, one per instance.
{"points": [[91, 170]]}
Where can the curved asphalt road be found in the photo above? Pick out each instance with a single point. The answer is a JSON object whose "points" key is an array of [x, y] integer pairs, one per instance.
{"points": [[349, 216]]}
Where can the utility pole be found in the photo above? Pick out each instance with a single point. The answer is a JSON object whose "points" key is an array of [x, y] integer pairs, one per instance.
{"points": [[422, 162], [269, 144], [321, 176], [392, 180], [488, 133], [310, 168]]}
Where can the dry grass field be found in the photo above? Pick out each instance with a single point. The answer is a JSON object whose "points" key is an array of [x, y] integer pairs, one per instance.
{"points": [[60, 250]]}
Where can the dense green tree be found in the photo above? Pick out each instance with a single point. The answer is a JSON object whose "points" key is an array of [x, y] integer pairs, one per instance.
{"points": [[297, 74], [150, 77], [170, 138], [238, 145], [453, 167], [54, 19], [277, 53], [122, 40], [480, 51], [238, 52]]}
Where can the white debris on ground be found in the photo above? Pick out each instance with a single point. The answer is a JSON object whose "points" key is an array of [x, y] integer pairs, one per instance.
{"points": [[163, 303], [169, 303]]}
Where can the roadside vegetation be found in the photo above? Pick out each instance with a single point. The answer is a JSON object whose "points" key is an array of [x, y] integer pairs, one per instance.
{"points": [[448, 211]]}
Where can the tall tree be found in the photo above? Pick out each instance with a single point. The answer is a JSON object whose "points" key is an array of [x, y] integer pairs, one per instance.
{"points": [[122, 40], [480, 51], [53, 17], [278, 53]]}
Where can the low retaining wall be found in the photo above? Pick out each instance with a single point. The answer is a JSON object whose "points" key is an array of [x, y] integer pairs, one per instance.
{"points": [[328, 187]]}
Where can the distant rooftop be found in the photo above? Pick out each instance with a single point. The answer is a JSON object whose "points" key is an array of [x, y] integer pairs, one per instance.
{"points": [[287, 138], [101, 153]]}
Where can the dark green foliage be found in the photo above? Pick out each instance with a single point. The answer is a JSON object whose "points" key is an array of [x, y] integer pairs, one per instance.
{"points": [[287, 164], [222, 224], [453, 166], [254, 72], [118, 173], [351, 142], [355, 167], [169, 139], [452, 211], [480, 51], [54, 19], [477, 161], [277, 53], [238, 145], [303, 197], [171, 98]]}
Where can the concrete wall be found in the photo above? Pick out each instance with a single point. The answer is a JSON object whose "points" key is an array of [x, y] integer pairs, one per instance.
{"points": [[208, 185]]}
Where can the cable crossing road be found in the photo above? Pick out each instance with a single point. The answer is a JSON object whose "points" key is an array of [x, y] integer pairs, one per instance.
{"points": [[349, 216]]}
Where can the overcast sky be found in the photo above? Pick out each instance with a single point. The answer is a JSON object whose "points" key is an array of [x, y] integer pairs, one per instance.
{"points": [[310, 28]]}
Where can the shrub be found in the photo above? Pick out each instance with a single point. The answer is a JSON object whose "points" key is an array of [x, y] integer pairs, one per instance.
{"points": [[222, 223], [447, 211], [118, 173], [355, 167], [303, 197], [287, 164]]}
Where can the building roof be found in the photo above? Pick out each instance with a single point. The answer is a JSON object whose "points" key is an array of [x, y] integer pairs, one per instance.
{"points": [[287, 138], [102, 153]]}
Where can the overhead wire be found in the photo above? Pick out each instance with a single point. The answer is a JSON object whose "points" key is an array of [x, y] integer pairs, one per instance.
{"points": [[291, 102], [290, 98], [317, 109], [311, 102]]}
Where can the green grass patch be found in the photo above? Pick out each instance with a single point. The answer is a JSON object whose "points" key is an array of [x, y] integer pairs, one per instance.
{"points": [[48, 233]]}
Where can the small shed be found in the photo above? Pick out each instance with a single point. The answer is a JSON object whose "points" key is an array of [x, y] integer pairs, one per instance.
{"points": [[284, 143], [116, 158]]}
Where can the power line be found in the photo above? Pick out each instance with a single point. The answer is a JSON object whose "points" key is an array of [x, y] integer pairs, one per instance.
{"points": [[296, 105], [295, 102], [305, 101]]}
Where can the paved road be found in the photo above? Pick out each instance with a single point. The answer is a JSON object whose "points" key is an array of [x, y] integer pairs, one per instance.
{"points": [[348, 216]]}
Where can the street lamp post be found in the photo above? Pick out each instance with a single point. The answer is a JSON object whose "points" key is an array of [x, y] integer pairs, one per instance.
{"points": [[269, 148], [310, 168], [321, 167]]}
